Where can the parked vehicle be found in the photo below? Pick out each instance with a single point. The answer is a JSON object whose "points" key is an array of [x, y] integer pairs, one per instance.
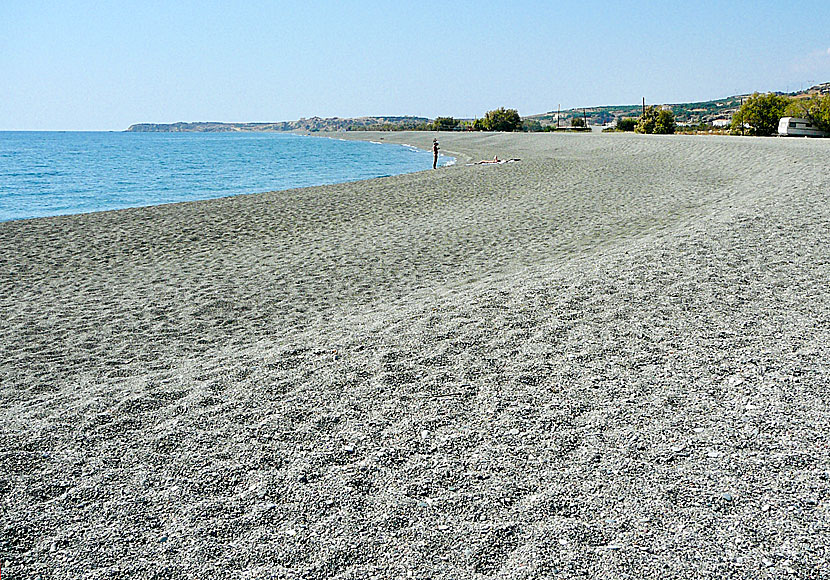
{"points": [[795, 127]]}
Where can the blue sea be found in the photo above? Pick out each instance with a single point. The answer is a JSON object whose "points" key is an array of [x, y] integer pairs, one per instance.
{"points": [[46, 174]]}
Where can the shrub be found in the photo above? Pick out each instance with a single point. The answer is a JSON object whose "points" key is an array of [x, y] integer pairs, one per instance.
{"points": [[577, 122]]}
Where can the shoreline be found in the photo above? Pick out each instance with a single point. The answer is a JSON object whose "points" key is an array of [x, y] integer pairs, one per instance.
{"points": [[140, 194], [605, 360]]}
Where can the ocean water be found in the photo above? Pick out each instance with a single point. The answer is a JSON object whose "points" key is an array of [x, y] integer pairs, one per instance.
{"points": [[46, 173]]}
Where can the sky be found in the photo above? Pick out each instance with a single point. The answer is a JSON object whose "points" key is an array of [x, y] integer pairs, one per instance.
{"points": [[104, 65]]}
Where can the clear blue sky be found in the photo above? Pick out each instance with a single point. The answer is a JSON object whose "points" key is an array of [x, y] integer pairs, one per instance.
{"points": [[104, 65]]}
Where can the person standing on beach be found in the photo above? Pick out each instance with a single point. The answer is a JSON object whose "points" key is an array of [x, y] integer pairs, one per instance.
{"points": [[434, 153]]}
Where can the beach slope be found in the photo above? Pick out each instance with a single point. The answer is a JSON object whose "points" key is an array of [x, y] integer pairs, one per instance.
{"points": [[606, 360]]}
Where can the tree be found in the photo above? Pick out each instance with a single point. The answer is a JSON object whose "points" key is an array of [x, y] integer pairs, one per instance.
{"points": [[577, 122], [627, 124], [501, 119], [647, 121], [820, 113], [444, 124], [759, 115], [665, 124], [531, 125], [656, 121], [816, 109]]}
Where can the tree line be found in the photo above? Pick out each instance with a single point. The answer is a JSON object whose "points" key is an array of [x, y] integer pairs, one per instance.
{"points": [[758, 115], [500, 119]]}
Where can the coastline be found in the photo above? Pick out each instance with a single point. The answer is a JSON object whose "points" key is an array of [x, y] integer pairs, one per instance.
{"points": [[606, 359], [95, 171]]}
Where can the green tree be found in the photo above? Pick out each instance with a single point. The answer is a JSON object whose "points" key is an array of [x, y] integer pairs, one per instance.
{"points": [[665, 124], [501, 119], [444, 124], [759, 115], [647, 121], [577, 122], [531, 125], [656, 121], [820, 113], [627, 124], [816, 109]]}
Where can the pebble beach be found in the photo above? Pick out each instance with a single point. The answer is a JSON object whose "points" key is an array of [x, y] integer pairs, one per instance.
{"points": [[606, 360]]}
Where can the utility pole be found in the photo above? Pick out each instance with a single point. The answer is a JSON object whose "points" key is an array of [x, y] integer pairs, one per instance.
{"points": [[644, 106], [558, 114], [585, 118], [742, 117]]}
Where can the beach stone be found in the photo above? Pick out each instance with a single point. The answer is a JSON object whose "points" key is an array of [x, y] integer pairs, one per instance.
{"points": [[735, 380], [727, 496]]}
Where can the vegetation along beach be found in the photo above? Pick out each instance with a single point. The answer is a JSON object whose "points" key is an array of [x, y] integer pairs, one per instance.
{"points": [[608, 359]]}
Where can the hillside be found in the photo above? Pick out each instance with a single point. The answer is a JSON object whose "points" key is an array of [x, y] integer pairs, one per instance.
{"points": [[707, 111], [312, 124]]}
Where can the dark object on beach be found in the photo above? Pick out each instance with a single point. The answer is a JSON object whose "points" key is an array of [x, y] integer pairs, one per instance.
{"points": [[495, 161], [434, 153]]}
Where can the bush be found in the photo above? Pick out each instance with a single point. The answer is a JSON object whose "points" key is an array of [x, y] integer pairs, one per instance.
{"points": [[656, 122], [759, 115], [500, 119], [577, 122], [628, 124]]}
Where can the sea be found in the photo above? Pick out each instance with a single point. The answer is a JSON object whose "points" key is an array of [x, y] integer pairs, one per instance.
{"points": [[57, 173]]}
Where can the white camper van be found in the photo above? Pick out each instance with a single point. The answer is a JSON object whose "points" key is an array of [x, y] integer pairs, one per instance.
{"points": [[795, 127]]}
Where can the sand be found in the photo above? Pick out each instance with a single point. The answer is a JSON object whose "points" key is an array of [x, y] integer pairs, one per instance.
{"points": [[608, 360]]}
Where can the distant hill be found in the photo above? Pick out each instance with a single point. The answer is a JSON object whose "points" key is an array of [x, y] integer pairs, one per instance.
{"points": [[312, 124], [707, 111]]}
